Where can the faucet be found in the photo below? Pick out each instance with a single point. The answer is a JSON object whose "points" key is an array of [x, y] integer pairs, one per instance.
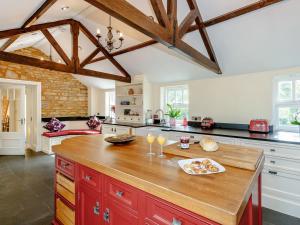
{"points": [[162, 116]]}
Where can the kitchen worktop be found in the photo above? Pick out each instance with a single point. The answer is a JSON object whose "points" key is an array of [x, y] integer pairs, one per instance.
{"points": [[210, 196], [276, 136]]}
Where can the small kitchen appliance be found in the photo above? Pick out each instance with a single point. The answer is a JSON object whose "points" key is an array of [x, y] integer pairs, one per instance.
{"points": [[259, 126]]}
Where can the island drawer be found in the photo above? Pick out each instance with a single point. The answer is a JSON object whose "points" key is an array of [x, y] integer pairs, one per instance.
{"points": [[122, 193], [90, 177], [159, 212], [64, 214], [65, 182], [65, 193], [287, 164], [65, 166]]}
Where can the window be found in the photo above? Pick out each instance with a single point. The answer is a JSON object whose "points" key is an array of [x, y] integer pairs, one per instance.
{"points": [[286, 101], [177, 96], [110, 101]]}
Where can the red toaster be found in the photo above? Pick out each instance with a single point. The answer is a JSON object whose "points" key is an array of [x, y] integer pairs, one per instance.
{"points": [[259, 125]]}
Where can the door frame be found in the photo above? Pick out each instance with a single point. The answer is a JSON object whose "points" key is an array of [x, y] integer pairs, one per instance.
{"points": [[37, 117]]}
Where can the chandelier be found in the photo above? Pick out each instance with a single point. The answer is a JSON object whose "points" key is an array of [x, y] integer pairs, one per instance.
{"points": [[111, 42]]}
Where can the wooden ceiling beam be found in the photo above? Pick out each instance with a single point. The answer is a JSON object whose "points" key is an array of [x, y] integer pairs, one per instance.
{"points": [[236, 13], [126, 50], [92, 73], [128, 14], [29, 61], [56, 46], [187, 22], [18, 31], [90, 57], [34, 17], [202, 30], [75, 47], [160, 13]]}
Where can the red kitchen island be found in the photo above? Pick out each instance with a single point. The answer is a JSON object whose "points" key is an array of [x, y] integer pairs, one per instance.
{"points": [[97, 183]]}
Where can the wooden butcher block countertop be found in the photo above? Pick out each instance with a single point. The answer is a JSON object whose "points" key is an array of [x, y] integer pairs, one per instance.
{"points": [[219, 197]]}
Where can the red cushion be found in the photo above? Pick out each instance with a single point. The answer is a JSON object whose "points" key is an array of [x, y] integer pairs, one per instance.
{"points": [[70, 132]]}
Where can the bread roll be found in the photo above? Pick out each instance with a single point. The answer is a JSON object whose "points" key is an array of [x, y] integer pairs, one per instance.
{"points": [[209, 145]]}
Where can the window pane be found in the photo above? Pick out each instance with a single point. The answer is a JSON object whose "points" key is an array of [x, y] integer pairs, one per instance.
{"points": [[297, 89], [171, 96], [179, 99], [285, 91], [286, 114]]}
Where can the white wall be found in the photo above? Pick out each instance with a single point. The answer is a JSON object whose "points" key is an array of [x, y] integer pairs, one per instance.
{"points": [[96, 101], [234, 99]]}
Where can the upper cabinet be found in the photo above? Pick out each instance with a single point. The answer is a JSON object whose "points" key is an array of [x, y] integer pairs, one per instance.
{"points": [[133, 100]]}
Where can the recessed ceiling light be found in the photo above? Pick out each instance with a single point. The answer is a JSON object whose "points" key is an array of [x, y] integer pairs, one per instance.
{"points": [[65, 8]]}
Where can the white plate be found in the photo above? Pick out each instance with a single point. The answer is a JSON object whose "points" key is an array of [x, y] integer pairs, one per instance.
{"points": [[183, 162]]}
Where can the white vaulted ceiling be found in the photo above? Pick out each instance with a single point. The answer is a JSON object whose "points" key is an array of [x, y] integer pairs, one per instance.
{"points": [[266, 39]]}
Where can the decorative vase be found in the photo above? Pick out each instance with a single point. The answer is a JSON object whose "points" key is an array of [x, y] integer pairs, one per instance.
{"points": [[172, 122]]}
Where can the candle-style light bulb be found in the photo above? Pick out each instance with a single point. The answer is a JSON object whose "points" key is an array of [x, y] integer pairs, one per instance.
{"points": [[121, 35], [98, 31]]}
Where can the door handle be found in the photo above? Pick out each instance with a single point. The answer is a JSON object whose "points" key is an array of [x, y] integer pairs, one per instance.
{"points": [[176, 222], [272, 172], [96, 209], [106, 215], [120, 194]]}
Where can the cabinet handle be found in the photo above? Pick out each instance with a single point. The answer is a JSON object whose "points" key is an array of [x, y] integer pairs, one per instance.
{"points": [[176, 222], [96, 209], [115, 129], [64, 165], [112, 129], [87, 178], [272, 161], [120, 194], [272, 150], [272, 172], [106, 215]]}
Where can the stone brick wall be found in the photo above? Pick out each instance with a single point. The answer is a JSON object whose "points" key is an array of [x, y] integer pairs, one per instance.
{"points": [[62, 94]]}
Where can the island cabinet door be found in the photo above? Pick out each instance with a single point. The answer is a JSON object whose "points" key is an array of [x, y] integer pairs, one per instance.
{"points": [[90, 206], [117, 214]]}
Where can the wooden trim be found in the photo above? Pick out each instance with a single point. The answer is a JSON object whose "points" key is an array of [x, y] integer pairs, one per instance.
{"points": [[56, 46], [35, 16], [160, 13], [18, 31], [126, 50]]}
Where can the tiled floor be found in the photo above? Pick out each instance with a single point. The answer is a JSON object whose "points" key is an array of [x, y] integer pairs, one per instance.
{"points": [[26, 192]]}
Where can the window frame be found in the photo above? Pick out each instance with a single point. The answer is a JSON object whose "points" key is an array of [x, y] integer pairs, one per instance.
{"points": [[288, 103], [163, 97]]}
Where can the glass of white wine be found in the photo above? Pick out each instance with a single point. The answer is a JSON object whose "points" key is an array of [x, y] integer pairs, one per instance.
{"points": [[150, 140], [161, 140]]}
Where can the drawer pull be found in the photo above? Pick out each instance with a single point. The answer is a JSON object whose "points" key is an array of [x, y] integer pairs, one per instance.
{"points": [[176, 222], [272, 161], [87, 178], [64, 165], [272, 150], [120, 194], [106, 215], [96, 209], [272, 172]]}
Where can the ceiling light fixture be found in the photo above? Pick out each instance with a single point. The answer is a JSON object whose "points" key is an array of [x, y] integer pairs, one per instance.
{"points": [[65, 8], [110, 40]]}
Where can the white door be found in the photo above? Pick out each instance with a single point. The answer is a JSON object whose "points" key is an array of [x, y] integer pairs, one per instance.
{"points": [[13, 126]]}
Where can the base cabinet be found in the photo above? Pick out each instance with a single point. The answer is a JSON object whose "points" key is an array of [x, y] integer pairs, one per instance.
{"points": [[102, 200]]}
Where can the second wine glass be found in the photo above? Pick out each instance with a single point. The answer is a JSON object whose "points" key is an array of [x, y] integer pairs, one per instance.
{"points": [[161, 141], [150, 140]]}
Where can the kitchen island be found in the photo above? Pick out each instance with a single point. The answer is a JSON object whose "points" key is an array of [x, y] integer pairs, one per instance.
{"points": [[100, 183]]}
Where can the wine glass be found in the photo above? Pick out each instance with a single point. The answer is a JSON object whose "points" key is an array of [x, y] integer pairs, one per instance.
{"points": [[161, 140], [150, 140]]}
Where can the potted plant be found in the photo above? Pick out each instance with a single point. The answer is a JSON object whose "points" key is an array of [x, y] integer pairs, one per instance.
{"points": [[296, 120], [173, 113]]}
